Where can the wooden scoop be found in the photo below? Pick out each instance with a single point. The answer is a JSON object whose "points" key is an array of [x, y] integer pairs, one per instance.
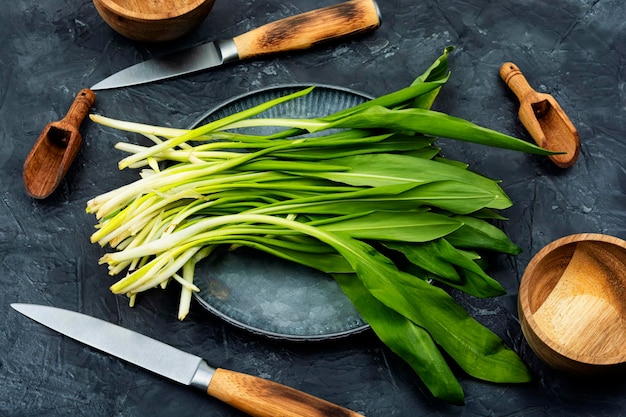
{"points": [[544, 119], [57, 146]]}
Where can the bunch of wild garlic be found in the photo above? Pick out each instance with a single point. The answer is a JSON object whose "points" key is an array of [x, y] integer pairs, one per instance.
{"points": [[367, 199]]}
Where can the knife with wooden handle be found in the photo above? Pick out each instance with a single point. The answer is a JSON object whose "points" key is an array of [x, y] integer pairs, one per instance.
{"points": [[292, 33], [255, 396]]}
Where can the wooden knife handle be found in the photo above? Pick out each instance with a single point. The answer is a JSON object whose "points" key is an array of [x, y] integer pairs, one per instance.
{"points": [[307, 29], [263, 398]]}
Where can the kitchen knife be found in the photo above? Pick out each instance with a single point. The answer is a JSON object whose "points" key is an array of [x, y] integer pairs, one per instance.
{"points": [[256, 396], [293, 33]]}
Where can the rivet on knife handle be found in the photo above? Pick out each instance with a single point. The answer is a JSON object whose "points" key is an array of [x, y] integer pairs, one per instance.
{"points": [[263, 398], [543, 118], [305, 30]]}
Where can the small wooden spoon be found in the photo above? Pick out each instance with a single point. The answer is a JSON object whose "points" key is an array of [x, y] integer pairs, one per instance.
{"points": [[57, 146], [544, 119]]}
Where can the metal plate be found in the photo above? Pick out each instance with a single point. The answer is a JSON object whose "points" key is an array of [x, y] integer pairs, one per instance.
{"points": [[263, 293]]}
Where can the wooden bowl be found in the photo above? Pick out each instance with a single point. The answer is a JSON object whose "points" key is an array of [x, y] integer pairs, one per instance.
{"points": [[153, 20], [572, 304]]}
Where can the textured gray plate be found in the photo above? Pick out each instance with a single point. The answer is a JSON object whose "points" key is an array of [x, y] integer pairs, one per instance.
{"points": [[265, 294]]}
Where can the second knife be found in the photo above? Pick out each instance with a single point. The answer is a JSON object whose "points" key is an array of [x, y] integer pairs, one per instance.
{"points": [[292, 33], [256, 396]]}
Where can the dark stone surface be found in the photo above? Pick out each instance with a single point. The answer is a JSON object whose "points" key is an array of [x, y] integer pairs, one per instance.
{"points": [[572, 49]]}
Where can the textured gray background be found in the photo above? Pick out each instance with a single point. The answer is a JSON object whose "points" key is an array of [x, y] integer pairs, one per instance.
{"points": [[572, 49]]}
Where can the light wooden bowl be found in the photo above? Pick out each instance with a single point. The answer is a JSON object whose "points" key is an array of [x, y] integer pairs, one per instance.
{"points": [[572, 304], [153, 20]]}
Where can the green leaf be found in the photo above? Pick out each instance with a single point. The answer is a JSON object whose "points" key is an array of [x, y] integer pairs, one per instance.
{"points": [[424, 153], [387, 169], [479, 234], [401, 226], [354, 201], [453, 267], [447, 195], [453, 196], [409, 341], [427, 257], [330, 263], [396, 143], [434, 123], [438, 71], [209, 127], [394, 99], [475, 348]]}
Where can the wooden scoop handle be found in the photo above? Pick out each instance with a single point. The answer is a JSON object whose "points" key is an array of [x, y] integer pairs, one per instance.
{"points": [[515, 80], [79, 108], [307, 29], [263, 398]]}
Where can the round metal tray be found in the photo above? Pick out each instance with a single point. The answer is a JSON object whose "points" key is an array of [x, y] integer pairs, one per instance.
{"points": [[265, 294]]}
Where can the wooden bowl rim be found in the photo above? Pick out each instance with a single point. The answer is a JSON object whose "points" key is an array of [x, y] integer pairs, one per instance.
{"points": [[117, 9], [524, 294]]}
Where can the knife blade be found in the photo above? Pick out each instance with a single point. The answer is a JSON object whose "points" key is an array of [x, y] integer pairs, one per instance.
{"points": [[297, 32], [255, 396]]}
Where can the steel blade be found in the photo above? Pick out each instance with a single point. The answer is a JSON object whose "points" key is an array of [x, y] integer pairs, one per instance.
{"points": [[187, 61], [125, 344]]}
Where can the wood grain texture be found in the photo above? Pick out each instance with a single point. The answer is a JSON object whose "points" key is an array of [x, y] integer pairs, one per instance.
{"points": [[56, 148], [263, 398], [543, 117], [155, 20], [161, 8], [308, 29], [572, 303]]}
